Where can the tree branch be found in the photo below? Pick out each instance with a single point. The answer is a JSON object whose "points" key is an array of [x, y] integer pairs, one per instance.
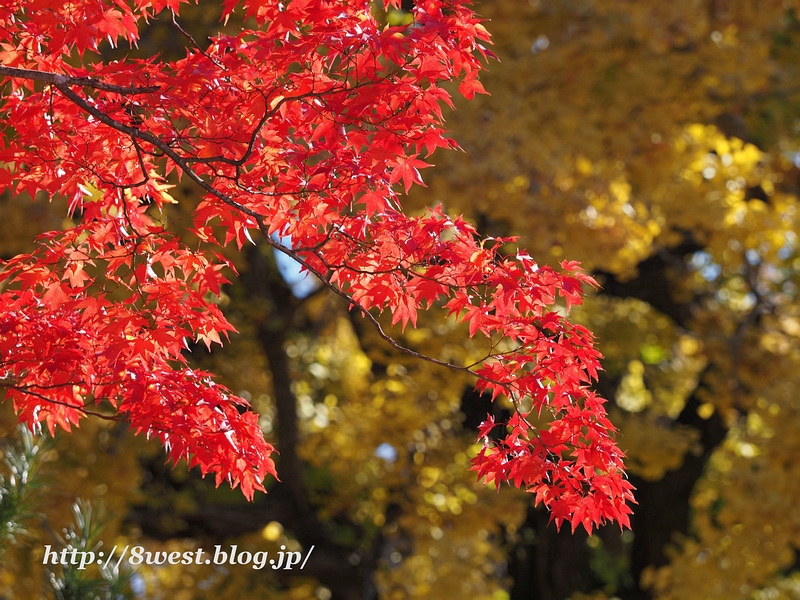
{"points": [[57, 79], [62, 83]]}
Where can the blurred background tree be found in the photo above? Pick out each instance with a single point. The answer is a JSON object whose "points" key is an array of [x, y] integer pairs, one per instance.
{"points": [[659, 144]]}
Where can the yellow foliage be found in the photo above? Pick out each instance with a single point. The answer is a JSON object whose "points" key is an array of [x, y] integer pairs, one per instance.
{"points": [[653, 448]]}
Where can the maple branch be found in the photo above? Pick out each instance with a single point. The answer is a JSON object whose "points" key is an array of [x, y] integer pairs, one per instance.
{"points": [[392, 342], [82, 408], [57, 79], [338, 162], [62, 83], [238, 162]]}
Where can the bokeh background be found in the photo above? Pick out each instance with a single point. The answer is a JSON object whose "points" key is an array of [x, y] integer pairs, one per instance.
{"points": [[656, 142]]}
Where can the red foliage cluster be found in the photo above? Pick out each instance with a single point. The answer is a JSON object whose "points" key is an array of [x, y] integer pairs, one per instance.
{"points": [[302, 126]]}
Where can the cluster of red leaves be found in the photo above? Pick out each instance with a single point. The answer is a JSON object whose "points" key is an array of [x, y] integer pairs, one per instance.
{"points": [[538, 358], [303, 126], [73, 335]]}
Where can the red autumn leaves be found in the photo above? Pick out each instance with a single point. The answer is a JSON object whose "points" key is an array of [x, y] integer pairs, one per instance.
{"points": [[304, 126]]}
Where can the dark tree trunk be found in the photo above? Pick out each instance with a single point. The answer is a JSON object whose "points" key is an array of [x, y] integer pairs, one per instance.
{"points": [[551, 565], [347, 573]]}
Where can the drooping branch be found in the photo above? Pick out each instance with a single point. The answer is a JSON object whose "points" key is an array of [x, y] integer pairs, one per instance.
{"points": [[62, 83]]}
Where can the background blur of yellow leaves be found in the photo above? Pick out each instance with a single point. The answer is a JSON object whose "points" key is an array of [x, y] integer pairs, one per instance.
{"points": [[615, 130]]}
